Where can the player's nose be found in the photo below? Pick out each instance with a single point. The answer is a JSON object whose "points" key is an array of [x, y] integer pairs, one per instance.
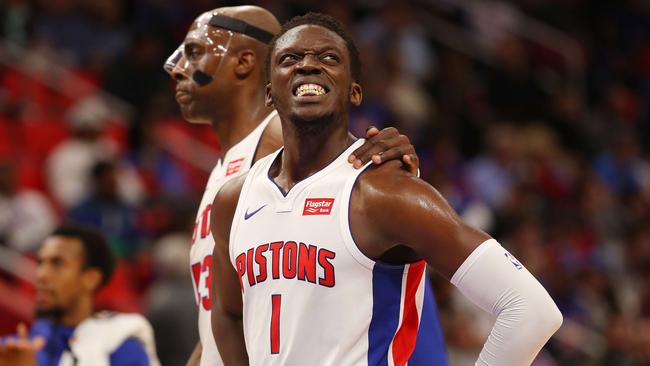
{"points": [[42, 273], [179, 72], [178, 75], [308, 65], [176, 65]]}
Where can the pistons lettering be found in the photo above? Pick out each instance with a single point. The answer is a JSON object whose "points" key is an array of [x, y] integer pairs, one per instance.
{"points": [[202, 225], [289, 260]]}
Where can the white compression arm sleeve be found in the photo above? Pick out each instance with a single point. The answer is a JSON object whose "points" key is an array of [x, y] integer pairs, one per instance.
{"points": [[526, 315]]}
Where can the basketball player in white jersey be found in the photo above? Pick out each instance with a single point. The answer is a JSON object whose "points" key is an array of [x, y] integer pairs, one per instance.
{"points": [[220, 81], [322, 264]]}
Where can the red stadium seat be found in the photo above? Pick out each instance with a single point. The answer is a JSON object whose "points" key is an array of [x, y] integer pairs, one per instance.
{"points": [[41, 135]]}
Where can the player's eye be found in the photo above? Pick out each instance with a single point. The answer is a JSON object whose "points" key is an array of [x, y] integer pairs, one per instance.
{"points": [[330, 57], [56, 262], [288, 58], [192, 53]]}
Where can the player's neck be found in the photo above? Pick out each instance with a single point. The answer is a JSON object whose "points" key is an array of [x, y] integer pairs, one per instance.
{"points": [[305, 153], [80, 311], [238, 122]]}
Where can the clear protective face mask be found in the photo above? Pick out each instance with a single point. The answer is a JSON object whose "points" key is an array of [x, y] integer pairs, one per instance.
{"points": [[197, 59], [173, 59], [214, 34]]}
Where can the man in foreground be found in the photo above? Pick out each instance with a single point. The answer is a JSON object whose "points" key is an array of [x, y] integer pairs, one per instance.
{"points": [[219, 74], [328, 262], [73, 263]]}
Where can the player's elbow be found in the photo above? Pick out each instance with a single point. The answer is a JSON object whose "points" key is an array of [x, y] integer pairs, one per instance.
{"points": [[543, 316], [221, 314], [224, 323], [551, 319], [532, 311]]}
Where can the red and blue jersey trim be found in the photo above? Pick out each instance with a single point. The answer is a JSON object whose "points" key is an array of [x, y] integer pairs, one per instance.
{"points": [[430, 348], [398, 294]]}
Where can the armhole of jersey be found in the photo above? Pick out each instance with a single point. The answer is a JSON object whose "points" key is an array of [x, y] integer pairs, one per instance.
{"points": [[237, 214], [263, 165], [131, 350], [344, 220]]}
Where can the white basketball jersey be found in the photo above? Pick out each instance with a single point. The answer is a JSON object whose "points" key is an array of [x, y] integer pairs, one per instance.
{"points": [[310, 296], [236, 161]]}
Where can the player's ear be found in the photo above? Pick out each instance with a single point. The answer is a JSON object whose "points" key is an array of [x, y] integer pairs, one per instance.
{"points": [[356, 94], [269, 97], [91, 279], [246, 60]]}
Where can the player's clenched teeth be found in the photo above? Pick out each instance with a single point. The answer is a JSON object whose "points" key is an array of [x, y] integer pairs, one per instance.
{"points": [[309, 89]]}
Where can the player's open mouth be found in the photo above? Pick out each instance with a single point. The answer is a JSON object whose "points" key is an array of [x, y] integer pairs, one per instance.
{"points": [[309, 90]]}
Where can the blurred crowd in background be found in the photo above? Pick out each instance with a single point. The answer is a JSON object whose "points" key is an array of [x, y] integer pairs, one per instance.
{"points": [[531, 117]]}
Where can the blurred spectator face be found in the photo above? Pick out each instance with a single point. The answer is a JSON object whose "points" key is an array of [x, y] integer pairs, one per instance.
{"points": [[88, 117], [569, 105], [203, 50], [510, 54], [62, 280]]}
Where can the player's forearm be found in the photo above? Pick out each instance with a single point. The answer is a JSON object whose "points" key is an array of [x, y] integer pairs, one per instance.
{"points": [[195, 357], [526, 315], [228, 333]]}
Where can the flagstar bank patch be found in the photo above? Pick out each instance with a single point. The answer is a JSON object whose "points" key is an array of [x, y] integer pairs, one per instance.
{"points": [[318, 206]]}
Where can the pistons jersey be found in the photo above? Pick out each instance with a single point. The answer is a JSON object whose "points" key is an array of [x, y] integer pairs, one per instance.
{"points": [[235, 162], [310, 296]]}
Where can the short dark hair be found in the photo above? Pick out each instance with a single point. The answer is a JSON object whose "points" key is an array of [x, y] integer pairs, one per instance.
{"points": [[97, 251], [324, 21]]}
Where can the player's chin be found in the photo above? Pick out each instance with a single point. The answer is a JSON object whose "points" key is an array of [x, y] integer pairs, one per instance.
{"points": [[191, 115], [311, 113], [309, 124], [44, 306], [187, 112], [49, 311]]}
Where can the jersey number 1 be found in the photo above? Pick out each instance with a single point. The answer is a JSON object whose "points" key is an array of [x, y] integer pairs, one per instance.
{"points": [[276, 302]]}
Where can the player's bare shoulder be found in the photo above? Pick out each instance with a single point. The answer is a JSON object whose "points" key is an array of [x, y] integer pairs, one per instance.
{"points": [[390, 206], [390, 195], [392, 209], [377, 200], [383, 186], [384, 177], [224, 206]]}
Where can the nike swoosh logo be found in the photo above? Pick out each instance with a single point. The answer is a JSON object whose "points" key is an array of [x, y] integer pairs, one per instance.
{"points": [[249, 215]]}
